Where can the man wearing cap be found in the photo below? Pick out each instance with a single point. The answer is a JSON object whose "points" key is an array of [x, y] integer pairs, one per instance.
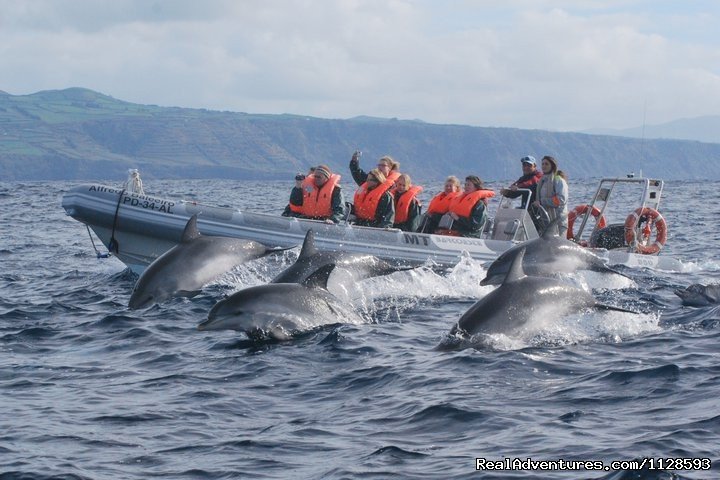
{"points": [[322, 196], [529, 180]]}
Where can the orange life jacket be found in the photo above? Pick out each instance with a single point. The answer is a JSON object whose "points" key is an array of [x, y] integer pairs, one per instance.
{"points": [[392, 176], [462, 205], [366, 202], [295, 208], [440, 204], [317, 202], [402, 206]]}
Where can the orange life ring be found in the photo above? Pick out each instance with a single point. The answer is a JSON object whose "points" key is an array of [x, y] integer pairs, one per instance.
{"points": [[582, 210], [652, 216]]}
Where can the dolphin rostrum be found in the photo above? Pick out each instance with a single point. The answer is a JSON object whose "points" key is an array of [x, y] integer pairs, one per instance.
{"points": [[546, 255], [195, 261], [280, 310], [522, 298], [698, 295], [311, 259]]}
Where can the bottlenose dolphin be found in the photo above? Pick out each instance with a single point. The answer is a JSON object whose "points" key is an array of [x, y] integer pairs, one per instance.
{"points": [[280, 310], [522, 298], [195, 261], [698, 295], [546, 255], [310, 260]]}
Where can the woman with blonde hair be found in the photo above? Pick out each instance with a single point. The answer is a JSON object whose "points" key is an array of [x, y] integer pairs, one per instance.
{"points": [[468, 211], [373, 204], [407, 206], [440, 204], [386, 164]]}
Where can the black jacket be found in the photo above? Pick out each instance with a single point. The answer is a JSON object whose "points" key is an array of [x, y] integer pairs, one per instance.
{"points": [[296, 198], [358, 174]]}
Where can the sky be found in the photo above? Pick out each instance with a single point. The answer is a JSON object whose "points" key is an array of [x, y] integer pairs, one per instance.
{"points": [[538, 64]]}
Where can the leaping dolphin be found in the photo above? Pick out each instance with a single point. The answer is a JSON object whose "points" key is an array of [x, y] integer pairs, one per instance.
{"points": [[195, 261], [546, 255], [520, 299], [698, 295], [310, 260], [280, 310]]}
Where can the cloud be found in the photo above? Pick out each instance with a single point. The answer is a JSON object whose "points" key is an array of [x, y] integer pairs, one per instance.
{"points": [[549, 64]]}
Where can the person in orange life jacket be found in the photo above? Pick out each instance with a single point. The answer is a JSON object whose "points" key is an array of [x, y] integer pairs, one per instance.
{"points": [[529, 180], [407, 206], [552, 193], [387, 166], [294, 206], [292, 209], [373, 205], [322, 196], [440, 204], [468, 210]]}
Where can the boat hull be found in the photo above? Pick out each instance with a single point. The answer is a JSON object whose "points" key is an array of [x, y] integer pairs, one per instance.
{"points": [[144, 227]]}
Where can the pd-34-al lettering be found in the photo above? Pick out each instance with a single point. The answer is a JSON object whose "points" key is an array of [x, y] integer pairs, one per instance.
{"points": [[149, 203]]}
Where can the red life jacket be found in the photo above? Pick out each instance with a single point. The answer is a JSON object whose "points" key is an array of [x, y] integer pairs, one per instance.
{"points": [[392, 176], [530, 181], [403, 202], [317, 202], [366, 202], [440, 204], [295, 208], [462, 206]]}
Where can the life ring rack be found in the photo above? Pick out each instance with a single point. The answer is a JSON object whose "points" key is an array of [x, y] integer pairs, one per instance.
{"points": [[650, 217], [600, 220]]}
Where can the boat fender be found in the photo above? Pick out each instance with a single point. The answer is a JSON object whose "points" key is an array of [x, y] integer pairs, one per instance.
{"points": [[582, 210], [650, 217]]}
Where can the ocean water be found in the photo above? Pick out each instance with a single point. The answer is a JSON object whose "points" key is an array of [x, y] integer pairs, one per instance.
{"points": [[92, 390]]}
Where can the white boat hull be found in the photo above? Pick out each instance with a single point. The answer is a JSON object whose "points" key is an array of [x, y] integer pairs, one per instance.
{"points": [[144, 227]]}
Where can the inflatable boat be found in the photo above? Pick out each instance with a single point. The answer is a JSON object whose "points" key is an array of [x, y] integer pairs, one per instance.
{"points": [[137, 228]]}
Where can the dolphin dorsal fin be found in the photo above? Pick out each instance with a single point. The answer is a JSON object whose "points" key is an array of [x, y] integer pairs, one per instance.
{"points": [[551, 230], [319, 278], [516, 271], [191, 231], [308, 249]]}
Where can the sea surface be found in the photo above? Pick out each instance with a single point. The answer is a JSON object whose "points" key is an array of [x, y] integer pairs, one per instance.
{"points": [[92, 390]]}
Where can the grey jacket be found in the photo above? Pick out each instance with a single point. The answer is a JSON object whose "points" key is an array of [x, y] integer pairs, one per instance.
{"points": [[552, 192]]}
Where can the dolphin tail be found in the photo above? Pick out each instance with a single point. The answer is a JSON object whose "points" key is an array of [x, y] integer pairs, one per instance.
{"points": [[606, 269], [490, 280], [388, 269], [602, 306], [188, 293], [271, 251]]}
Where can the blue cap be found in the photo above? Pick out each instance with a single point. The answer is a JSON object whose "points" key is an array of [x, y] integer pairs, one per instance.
{"points": [[529, 159]]}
